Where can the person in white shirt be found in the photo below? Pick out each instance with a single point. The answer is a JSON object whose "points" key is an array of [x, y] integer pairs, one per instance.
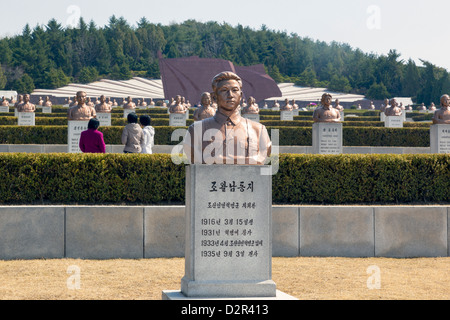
{"points": [[149, 134]]}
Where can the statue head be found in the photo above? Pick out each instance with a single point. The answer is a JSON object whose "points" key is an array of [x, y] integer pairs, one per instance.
{"points": [[326, 99], [445, 100], [206, 99], [227, 88], [81, 97]]}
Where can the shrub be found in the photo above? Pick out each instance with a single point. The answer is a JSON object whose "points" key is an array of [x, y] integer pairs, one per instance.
{"points": [[156, 180]]}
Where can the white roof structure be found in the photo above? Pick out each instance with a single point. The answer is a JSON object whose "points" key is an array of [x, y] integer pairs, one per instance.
{"points": [[153, 88]]}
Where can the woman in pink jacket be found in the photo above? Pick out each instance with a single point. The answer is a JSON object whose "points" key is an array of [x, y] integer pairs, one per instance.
{"points": [[91, 140]]}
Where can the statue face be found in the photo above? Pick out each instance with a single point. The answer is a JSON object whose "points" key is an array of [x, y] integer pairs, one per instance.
{"points": [[26, 98], [81, 97], [326, 100], [445, 100], [228, 95], [206, 100], [393, 103]]}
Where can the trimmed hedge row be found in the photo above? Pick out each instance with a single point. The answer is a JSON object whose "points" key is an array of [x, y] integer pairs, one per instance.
{"points": [[288, 136], [156, 180]]}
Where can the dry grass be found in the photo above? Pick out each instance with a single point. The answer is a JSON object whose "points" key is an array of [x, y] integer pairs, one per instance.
{"points": [[304, 278]]}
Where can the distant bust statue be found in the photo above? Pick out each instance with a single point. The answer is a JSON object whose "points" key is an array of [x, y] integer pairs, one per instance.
{"points": [[41, 102], [5, 102], [287, 106], [422, 107], [326, 113], [432, 107], [442, 115], [129, 104], [337, 106], [103, 106], [47, 102], [81, 111], [143, 103], [294, 105], [384, 105], [372, 106], [19, 100], [227, 137], [252, 107], [151, 102], [205, 110], [26, 105], [178, 106], [74, 102], [276, 105], [394, 110]]}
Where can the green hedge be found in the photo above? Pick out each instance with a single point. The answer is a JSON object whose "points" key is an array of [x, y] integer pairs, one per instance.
{"points": [[358, 179], [288, 136], [155, 180]]}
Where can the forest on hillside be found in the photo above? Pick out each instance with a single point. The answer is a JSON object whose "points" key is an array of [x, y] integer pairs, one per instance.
{"points": [[51, 56]]}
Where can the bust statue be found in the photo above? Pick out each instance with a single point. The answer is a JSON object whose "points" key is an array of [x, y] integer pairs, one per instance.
{"points": [[384, 105], [19, 100], [276, 105], [151, 102], [227, 137], [205, 110], [432, 107], [294, 105], [252, 107], [41, 102], [178, 106], [287, 106], [81, 111], [422, 107], [47, 102], [26, 105], [129, 104], [103, 106], [442, 115], [5, 102], [326, 113], [337, 106], [393, 110], [143, 103]]}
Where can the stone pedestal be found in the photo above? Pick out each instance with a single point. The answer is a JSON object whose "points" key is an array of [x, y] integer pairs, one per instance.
{"points": [[393, 122], [251, 116], [382, 116], [177, 119], [440, 138], [75, 127], [26, 119], [228, 232], [46, 109], [4, 109], [104, 118], [127, 111], [327, 137], [287, 115]]}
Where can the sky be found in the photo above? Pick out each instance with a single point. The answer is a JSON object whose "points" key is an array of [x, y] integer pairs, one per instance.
{"points": [[417, 29]]}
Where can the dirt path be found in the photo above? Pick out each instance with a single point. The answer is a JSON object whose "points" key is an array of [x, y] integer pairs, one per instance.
{"points": [[304, 278]]}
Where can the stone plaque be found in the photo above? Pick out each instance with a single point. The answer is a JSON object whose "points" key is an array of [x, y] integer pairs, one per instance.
{"points": [[46, 109], [440, 138], [228, 232], [177, 120], [4, 109], [251, 116], [295, 112], [393, 122], [127, 111], [104, 118], [327, 137], [26, 118], [287, 115], [382, 116], [74, 132]]}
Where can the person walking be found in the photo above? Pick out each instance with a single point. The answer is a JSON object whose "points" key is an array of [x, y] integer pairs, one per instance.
{"points": [[132, 135]]}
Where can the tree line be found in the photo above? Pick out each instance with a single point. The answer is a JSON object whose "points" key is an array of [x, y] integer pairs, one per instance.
{"points": [[52, 56]]}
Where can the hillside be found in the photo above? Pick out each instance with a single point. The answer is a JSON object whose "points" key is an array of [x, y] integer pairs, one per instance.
{"points": [[50, 56]]}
